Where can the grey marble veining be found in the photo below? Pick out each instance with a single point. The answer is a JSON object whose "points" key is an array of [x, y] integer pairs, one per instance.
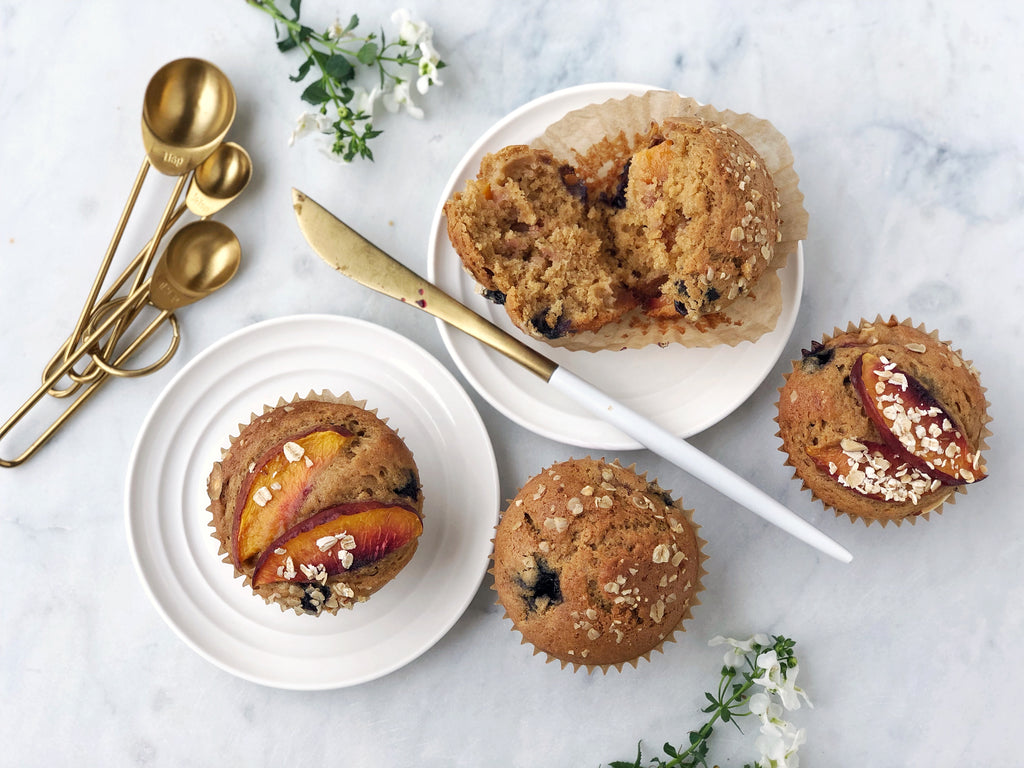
{"points": [[904, 120]]}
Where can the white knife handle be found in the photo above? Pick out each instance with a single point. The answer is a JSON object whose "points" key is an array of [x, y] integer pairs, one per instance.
{"points": [[693, 461]]}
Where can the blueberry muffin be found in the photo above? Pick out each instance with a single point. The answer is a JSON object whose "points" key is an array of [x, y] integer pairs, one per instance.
{"points": [[316, 504], [883, 421], [686, 225], [595, 565]]}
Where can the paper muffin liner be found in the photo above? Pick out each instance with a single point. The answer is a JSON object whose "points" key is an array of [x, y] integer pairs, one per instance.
{"points": [[953, 491], [698, 587], [283, 591], [618, 127]]}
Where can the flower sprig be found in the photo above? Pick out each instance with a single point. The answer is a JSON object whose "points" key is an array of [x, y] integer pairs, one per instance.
{"points": [[343, 109], [770, 664]]}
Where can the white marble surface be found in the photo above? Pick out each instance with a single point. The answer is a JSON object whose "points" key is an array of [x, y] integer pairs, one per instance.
{"points": [[905, 123]]}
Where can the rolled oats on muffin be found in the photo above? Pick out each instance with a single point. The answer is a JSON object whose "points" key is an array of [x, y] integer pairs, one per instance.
{"points": [[316, 503], [595, 565], [883, 421]]}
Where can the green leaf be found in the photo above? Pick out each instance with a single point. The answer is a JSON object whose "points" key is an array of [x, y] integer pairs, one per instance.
{"points": [[669, 750], [352, 23], [303, 71], [286, 44], [338, 68], [296, 6], [368, 54], [624, 764], [315, 93]]}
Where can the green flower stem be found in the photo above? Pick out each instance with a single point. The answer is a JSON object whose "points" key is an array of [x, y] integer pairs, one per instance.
{"points": [[728, 704], [738, 697], [335, 58]]}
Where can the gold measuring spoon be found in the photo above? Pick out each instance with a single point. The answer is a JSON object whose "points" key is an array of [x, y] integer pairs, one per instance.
{"points": [[188, 107], [216, 181], [200, 259]]}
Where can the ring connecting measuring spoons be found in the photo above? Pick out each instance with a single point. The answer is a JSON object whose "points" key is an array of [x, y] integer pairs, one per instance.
{"points": [[200, 259], [357, 258]]}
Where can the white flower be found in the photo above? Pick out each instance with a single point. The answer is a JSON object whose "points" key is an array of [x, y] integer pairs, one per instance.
{"points": [[309, 122], [738, 648], [765, 708], [427, 66], [398, 97], [363, 100], [781, 683], [411, 31], [335, 30], [778, 744]]}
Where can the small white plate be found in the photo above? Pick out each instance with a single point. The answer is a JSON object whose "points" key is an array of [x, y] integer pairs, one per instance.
{"points": [[685, 390], [169, 526]]}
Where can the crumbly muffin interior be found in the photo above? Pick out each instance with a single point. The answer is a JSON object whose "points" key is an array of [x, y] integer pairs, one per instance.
{"points": [[699, 217], [534, 245]]}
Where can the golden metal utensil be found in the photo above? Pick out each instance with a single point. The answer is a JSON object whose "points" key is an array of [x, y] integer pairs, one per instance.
{"points": [[188, 107], [216, 181], [187, 110], [355, 257], [200, 259]]}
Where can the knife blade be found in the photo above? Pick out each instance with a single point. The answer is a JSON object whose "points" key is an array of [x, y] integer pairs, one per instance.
{"points": [[357, 258]]}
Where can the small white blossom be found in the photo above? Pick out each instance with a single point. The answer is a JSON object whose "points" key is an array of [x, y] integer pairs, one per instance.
{"points": [[336, 30], [774, 680], [738, 648], [411, 31], [778, 744], [427, 66], [399, 97], [307, 123], [363, 100]]}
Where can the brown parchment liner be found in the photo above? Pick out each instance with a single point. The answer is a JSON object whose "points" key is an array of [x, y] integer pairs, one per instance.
{"points": [[698, 587], [282, 594], [618, 127], [951, 494]]}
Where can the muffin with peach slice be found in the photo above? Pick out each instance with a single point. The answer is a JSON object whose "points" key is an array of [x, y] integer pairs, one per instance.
{"points": [[884, 421], [316, 504]]}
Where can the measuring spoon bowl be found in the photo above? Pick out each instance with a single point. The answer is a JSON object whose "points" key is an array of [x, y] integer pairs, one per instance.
{"points": [[187, 110], [219, 179], [201, 258]]}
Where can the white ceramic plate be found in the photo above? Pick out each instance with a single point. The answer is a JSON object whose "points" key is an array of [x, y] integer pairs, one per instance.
{"points": [[169, 525], [685, 390]]}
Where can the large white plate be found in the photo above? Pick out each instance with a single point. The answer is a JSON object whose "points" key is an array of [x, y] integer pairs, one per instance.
{"points": [[685, 390], [169, 525]]}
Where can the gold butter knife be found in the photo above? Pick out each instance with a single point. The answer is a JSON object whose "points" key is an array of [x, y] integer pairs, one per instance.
{"points": [[357, 258]]}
